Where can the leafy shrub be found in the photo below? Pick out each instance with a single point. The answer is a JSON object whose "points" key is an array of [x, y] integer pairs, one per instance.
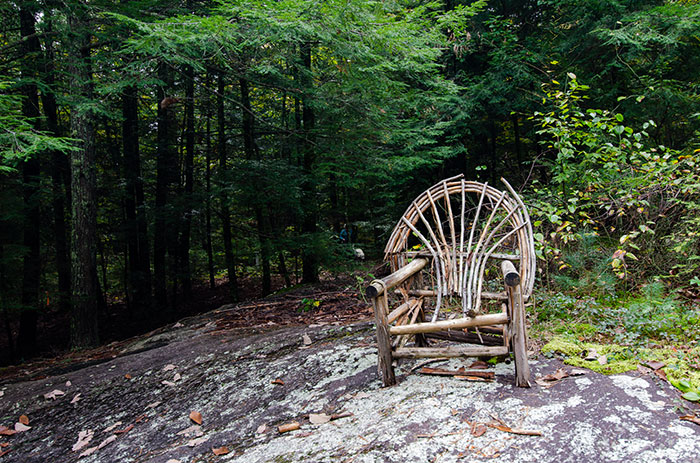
{"points": [[611, 182]]}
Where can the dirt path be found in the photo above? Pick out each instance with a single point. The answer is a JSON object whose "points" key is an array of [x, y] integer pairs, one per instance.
{"points": [[226, 374]]}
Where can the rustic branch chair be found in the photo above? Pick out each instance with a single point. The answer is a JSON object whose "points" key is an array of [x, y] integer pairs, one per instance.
{"points": [[463, 263]]}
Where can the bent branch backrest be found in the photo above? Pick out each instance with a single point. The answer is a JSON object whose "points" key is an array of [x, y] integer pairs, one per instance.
{"points": [[462, 257]]}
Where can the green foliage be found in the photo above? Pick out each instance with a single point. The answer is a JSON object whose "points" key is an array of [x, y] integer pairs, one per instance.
{"points": [[19, 139], [609, 180]]}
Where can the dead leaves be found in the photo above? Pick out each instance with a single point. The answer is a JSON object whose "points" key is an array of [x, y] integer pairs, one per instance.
{"points": [[19, 427], [53, 394], [551, 379], [478, 429], [5, 431], [277, 382], [220, 451], [84, 438], [196, 417], [319, 418], [24, 419]]}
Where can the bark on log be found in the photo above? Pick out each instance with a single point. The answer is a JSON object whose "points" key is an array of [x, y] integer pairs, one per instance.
{"points": [[449, 352], [396, 278], [443, 325]]}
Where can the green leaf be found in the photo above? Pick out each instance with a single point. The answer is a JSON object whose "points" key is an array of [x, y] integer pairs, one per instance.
{"points": [[692, 396]]}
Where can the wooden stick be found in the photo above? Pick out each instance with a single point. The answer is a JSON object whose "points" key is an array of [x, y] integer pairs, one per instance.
{"points": [[467, 305], [436, 262], [377, 286], [443, 325], [397, 312], [386, 369], [450, 352]]}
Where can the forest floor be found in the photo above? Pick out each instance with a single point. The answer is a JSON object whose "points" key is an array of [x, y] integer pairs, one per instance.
{"points": [[217, 387]]}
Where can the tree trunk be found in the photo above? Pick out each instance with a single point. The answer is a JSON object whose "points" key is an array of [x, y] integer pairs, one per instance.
{"points": [[166, 167], [59, 174], [282, 269], [310, 260], [207, 211], [84, 286], [136, 225], [184, 252], [225, 211], [30, 191]]}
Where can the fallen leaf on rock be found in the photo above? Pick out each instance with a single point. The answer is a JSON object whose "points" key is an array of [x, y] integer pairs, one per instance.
{"points": [[84, 438], [113, 427], [4, 452], [169, 367], [92, 450], [551, 379], [196, 417], [277, 381], [172, 460], [4, 444], [53, 394], [261, 429], [293, 426], [88, 452], [75, 399], [220, 451], [125, 430], [127, 376], [307, 340], [362, 395], [68, 384], [5, 431], [692, 419], [153, 405], [591, 355], [197, 441], [19, 427], [479, 365], [338, 416], [319, 418], [177, 377], [478, 429], [24, 419], [168, 383], [654, 365]]}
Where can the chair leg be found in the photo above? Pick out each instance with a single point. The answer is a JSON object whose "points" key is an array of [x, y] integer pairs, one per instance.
{"points": [[519, 336], [386, 367]]}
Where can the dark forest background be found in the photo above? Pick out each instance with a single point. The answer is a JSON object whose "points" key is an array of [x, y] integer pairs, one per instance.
{"points": [[150, 150]]}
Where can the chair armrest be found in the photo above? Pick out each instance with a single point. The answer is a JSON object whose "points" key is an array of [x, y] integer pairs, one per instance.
{"points": [[377, 286]]}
